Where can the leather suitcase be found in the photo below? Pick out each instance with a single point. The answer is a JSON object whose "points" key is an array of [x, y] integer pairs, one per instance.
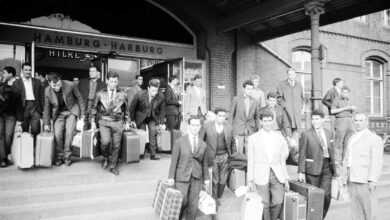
{"points": [[164, 141], [294, 207], [314, 197], [130, 147], [143, 135], [22, 150], [237, 178], [86, 144], [44, 149]]}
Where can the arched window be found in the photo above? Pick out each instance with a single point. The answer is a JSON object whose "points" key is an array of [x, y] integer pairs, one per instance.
{"points": [[301, 60], [374, 86]]}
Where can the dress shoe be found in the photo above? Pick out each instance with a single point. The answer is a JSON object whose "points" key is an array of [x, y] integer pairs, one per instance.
{"points": [[3, 164], [114, 170], [68, 162], [105, 163], [154, 157], [142, 156], [8, 162], [58, 162]]}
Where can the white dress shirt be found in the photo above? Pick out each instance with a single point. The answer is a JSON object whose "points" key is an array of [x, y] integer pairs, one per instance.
{"points": [[197, 90], [321, 133], [28, 89], [191, 137], [219, 128]]}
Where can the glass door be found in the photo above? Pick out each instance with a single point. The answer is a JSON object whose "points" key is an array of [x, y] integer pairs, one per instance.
{"points": [[127, 69]]}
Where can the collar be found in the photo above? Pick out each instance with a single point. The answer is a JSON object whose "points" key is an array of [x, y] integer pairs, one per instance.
{"points": [[191, 136], [319, 131], [26, 80], [266, 132], [291, 81], [271, 108], [361, 132]]}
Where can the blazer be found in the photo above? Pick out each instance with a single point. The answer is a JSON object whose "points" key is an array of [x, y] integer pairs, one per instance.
{"points": [[72, 98], [38, 91], [259, 165], [281, 119], [292, 97], [241, 123], [83, 87], [311, 153], [367, 158], [185, 164], [140, 107], [209, 134], [171, 101], [10, 102], [193, 102]]}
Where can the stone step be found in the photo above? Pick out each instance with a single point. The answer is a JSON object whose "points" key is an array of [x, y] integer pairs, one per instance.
{"points": [[336, 205]]}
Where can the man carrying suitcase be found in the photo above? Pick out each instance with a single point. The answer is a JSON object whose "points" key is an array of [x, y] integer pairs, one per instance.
{"points": [[111, 108], [63, 104]]}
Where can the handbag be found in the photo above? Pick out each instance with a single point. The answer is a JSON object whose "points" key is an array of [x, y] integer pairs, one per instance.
{"points": [[252, 207], [206, 203]]}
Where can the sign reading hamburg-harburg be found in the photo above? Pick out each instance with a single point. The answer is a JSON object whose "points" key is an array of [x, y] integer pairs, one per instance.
{"points": [[93, 42]]}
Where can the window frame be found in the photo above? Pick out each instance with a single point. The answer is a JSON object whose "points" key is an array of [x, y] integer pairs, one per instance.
{"points": [[386, 18], [361, 19], [373, 79], [301, 74]]}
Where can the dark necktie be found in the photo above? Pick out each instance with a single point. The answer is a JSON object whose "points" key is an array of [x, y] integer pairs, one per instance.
{"points": [[111, 98], [322, 142]]}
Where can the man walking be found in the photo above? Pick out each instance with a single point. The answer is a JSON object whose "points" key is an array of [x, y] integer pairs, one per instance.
{"points": [[172, 104], [196, 99]]}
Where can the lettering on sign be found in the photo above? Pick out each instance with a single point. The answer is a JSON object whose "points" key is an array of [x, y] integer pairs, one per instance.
{"points": [[72, 55]]}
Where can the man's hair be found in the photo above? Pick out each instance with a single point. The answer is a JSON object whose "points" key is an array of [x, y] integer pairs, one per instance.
{"points": [[254, 76], [54, 77], [345, 88], [193, 117], [11, 70], [26, 64], [171, 78], [197, 76], [112, 74], [272, 95], [97, 69], [219, 109], [336, 80], [266, 114], [246, 83], [154, 82], [138, 76], [318, 113]]}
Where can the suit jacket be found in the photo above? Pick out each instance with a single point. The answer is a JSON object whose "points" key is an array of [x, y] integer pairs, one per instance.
{"points": [[292, 97], [72, 98], [171, 101], [238, 119], [140, 107], [83, 87], [281, 119], [37, 90], [131, 92], [209, 135], [193, 101], [185, 164], [259, 165], [311, 152], [367, 157]]}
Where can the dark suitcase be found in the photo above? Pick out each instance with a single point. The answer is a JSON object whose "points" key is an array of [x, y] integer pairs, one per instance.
{"points": [[44, 149], [89, 145], [130, 147], [294, 207], [314, 197]]}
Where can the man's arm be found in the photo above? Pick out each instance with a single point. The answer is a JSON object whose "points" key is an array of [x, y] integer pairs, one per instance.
{"points": [[126, 108], [251, 158], [174, 159], [286, 125], [232, 113], [169, 97], [133, 106], [80, 101], [41, 93], [94, 108], [205, 164], [335, 107], [47, 109], [376, 159], [327, 100], [162, 110], [303, 142]]}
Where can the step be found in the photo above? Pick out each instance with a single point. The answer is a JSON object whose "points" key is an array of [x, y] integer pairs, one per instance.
{"points": [[382, 197]]}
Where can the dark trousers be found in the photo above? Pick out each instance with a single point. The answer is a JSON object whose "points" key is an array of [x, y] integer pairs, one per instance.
{"points": [[64, 131], [111, 132], [87, 122], [152, 126], [7, 127], [173, 122], [190, 190], [220, 173], [342, 127], [323, 181], [32, 118]]}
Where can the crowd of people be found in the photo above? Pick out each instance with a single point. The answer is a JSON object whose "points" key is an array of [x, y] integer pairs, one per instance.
{"points": [[264, 129]]}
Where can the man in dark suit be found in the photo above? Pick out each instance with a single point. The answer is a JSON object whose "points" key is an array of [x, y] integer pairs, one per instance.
{"points": [[243, 116], [32, 95], [220, 147], [63, 104], [172, 104], [188, 170], [88, 88], [136, 87], [316, 157], [148, 108]]}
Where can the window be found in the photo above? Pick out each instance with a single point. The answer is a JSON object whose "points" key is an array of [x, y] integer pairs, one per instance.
{"points": [[361, 18], [301, 60], [11, 55], [386, 17], [374, 87]]}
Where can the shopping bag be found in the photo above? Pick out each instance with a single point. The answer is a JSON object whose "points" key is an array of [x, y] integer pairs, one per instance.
{"points": [[206, 203], [339, 190], [252, 207]]}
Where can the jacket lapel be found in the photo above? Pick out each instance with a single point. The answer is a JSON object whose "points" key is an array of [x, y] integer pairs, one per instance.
{"points": [[53, 96], [315, 135], [64, 92], [242, 103]]}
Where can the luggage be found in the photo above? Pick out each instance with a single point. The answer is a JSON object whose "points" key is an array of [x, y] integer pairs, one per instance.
{"points": [[86, 144], [143, 135], [314, 197], [167, 201], [237, 178], [206, 203], [294, 207], [252, 207], [44, 149], [22, 150], [293, 156], [339, 190], [164, 141], [130, 147]]}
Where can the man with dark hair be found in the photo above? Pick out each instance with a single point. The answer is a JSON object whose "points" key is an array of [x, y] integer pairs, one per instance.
{"points": [[111, 108], [173, 103], [316, 157], [189, 168], [148, 108], [243, 116], [42, 78], [196, 99], [9, 75], [88, 88], [63, 104], [32, 95], [332, 94]]}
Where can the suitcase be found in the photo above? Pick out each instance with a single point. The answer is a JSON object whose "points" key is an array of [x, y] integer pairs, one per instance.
{"points": [[22, 150], [44, 149], [294, 207], [142, 138], [164, 141], [130, 147], [175, 134], [237, 178], [86, 144], [167, 201], [314, 197]]}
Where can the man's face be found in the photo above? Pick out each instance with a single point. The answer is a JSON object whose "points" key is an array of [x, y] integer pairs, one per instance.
{"points": [[272, 101], [248, 90], [256, 83], [340, 84], [93, 73], [76, 81], [6, 75], [317, 121], [360, 122], [194, 126], [112, 83], [56, 85], [344, 93], [291, 75], [198, 82], [152, 91], [220, 117], [27, 71], [266, 123], [175, 82], [140, 80]]}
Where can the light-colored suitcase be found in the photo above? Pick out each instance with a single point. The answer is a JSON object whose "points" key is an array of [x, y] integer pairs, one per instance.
{"points": [[22, 150], [294, 206], [164, 141], [143, 135], [44, 149], [237, 178], [85, 144]]}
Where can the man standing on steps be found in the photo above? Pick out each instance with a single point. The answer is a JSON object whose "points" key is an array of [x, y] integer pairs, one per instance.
{"points": [[172, 104], [331, 95]]}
